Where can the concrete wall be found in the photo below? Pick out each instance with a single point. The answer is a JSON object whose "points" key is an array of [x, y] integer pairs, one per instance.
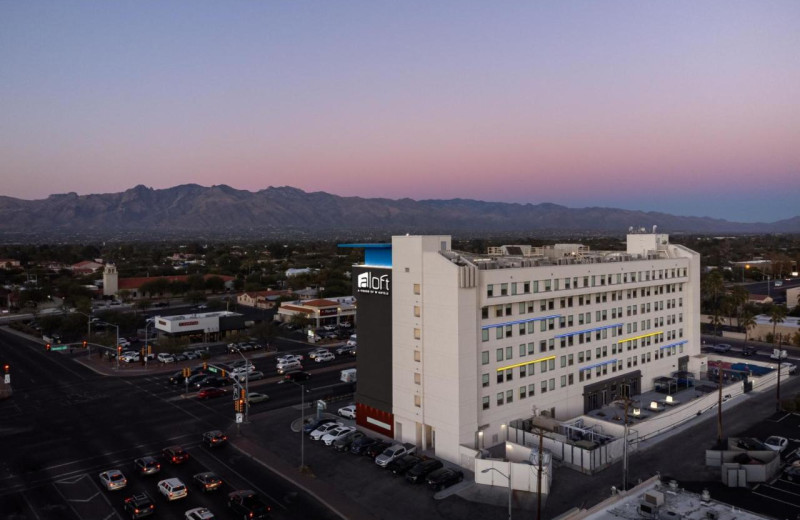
{"points": [[523, 475]]}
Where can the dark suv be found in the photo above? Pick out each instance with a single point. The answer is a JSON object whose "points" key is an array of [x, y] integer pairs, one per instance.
{"points": [[419, 472], [296, 375], [245, 503], [175, 455], [749, 351], [139, 505], [147, 466], [214, 438]]}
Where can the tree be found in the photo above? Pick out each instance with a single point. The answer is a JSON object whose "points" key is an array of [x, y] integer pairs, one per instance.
{"points": [[142, 305], [777, 314], [739, 296], [301, 321], [747, 321], [124, 295], [715, 320], [215, 284]]}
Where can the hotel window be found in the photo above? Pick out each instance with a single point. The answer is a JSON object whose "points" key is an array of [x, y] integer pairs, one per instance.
{"points": [[499, 354], [509, 331], [552, 383], [552, 364], [499, 376], [544, 386], [417, 401], [499, 333], [486, 402], [535, 286], [547, 285], [508, 309], [563, 381], [509, 352], [522, 350], [522, 371], [532, 389], [509, 396], [489, 291], [485, 335], [513, 288], [503, 289], [571, 379], [484, 313], [500, 398], [417, 334], [570, 360], [509, 374], [521, 307], [498, 311], [418, 355], [522, 392], [563, 361], [417, 378], [485, 357], [485, 380], [416, 288], [526, 287], [531, 369], [416, 311], [543, 367], [531, 348]]}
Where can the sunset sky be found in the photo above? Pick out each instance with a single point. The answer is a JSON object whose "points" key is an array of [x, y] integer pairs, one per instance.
{"points": [[686, 107]]}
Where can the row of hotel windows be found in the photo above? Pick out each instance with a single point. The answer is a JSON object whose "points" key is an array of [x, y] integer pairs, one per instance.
{"points": [[577, 282], [507, 331], [529, 307], [569, 379]]}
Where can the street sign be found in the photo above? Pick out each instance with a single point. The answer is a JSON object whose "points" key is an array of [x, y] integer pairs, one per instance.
{"points": [[239, 418], [8, 379], [58, 348]]}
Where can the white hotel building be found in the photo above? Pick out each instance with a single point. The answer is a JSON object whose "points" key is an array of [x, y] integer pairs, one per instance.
{"points": [[480, 340]]}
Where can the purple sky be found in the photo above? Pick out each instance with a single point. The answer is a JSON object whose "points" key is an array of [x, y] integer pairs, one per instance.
{"points": [[687, 107]]}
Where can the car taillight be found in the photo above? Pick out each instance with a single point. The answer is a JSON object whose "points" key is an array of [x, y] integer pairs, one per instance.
{"points": [[174, 459], [136, 511]]}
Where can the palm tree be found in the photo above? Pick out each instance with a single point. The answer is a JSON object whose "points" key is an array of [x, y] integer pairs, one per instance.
{"points": [[747, 321], [739, 295], [777, 314], [716, 320]]}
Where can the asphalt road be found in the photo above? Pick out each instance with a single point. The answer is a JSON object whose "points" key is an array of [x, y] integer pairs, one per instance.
{"points": [[65, 424]]}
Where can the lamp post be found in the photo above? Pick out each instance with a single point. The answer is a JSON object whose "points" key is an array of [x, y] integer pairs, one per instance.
{"points": [[508, 477], [88, 330], [303, 391], [116, 345]]}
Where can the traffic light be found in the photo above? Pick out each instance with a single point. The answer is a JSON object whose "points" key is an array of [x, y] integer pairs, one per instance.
{"points": [[119, 349], [224, 373], [47, 347], [205, 365], [6, 368], [85, 343], [238, 405], [186, 372], [149, 350]]}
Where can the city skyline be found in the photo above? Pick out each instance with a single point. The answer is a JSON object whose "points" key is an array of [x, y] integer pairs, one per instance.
{"points": [[689, 109]]}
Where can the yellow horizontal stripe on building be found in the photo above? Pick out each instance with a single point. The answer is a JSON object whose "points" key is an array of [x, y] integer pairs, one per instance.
{"points": [[526, 363], [642, 336]]}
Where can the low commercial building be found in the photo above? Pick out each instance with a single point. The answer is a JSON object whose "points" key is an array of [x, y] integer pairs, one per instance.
{"points": [[328, 311], [207, 326], [262, 299]]}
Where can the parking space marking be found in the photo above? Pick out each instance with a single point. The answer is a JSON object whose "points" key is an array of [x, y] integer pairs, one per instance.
{"points": [[793, 504], [30, 506], [97, 492]]}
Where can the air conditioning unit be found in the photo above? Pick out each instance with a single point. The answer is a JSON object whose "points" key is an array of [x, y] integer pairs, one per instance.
{"points": [[654, 497]]}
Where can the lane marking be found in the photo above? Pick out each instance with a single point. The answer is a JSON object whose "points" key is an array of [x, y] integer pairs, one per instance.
{"points": [[274, 500]]}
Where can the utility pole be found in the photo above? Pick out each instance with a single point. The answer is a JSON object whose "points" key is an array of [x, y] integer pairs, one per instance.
{"points": [[538, 477], [780, 363], [719, 406], [625, 447]]}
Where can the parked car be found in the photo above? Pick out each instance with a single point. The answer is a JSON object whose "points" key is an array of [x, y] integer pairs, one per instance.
{"points": [[139, 505], [190, 354], [751, 444], [147, 465], [376, 449], [245, 503], [196, 378], [323, 357], [173, 489], [444, 477], [337, 433], [207, 481], [344, 442], [749, 351], [348, 412], [129, 356], [403, 464], [257, 397], [296, 375], [776, 443], [174, 455], [124, 343], [721, 348], [199, 513], [212, 382], [420, 472], [314, 424], [210, 393], [792, 471], [324, 430], [359, 446], [164, 357], [788, 368], [113, 479], [214, 438]]}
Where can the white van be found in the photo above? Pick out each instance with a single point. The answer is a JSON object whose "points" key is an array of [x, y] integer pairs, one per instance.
{"points": [[352, 341]]}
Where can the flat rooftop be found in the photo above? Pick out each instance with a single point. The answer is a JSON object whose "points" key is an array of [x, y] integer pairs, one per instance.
{"points": [[195, 315]]}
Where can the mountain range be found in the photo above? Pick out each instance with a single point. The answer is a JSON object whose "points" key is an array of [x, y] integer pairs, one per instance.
{"points": [[222, 210]]}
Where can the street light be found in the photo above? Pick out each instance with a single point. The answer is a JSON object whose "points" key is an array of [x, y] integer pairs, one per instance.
{"points": [[116, 346], [508, 477], [88, 331], [303, 391]]}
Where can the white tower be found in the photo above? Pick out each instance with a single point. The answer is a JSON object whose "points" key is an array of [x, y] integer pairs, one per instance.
{"points": [[110, 280]]}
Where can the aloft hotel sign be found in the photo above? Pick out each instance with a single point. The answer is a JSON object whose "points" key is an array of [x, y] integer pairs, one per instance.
{"points": [[372, 283]]}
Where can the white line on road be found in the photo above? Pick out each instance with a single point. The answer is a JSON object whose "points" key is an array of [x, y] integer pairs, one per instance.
{"points": [[274, 500]]}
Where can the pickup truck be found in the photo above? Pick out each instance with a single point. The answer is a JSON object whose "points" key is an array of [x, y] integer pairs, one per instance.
{"points": [[395, 451]]}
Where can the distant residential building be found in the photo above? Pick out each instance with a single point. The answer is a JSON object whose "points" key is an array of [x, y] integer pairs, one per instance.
{"points": [[262, 299], [294, 272], [86, 267], [309, 293], [8, 263], [330, 311], [113, 284]]}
